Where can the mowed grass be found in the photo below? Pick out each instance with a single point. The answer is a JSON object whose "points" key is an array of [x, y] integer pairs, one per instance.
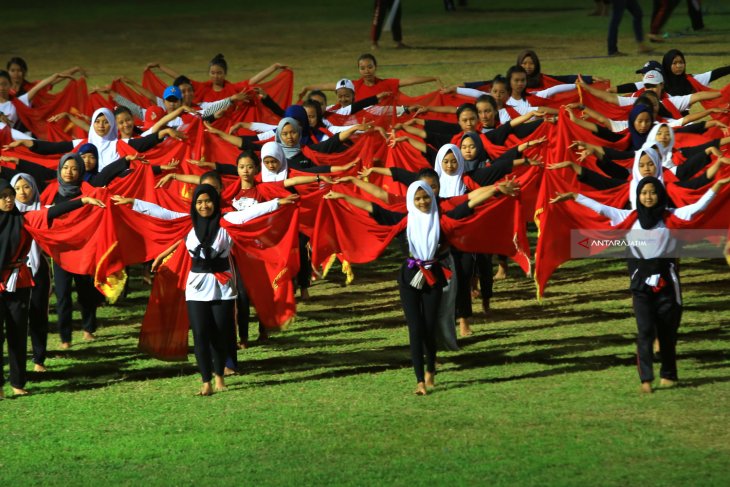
{"points": [[542, 393]]}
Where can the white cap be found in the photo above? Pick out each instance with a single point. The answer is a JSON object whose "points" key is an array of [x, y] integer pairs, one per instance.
{"points": [[345, 83], [653, 77]]}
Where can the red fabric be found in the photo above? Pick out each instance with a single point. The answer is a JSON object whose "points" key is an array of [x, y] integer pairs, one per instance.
{"points": [[363, 91], [72, 99], [265, 251]]}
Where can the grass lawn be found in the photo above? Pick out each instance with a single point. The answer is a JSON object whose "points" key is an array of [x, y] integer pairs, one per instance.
{"points": [[542, 393]]}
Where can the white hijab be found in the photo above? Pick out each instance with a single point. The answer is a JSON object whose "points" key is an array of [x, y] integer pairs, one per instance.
{"points": [[272, 149], [424, 229], [107, 145], [34, 255], [653, 153], [664, 152], [451, 185]]}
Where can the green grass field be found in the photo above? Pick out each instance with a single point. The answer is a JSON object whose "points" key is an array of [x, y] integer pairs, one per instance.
{"points": [[542, 393]]}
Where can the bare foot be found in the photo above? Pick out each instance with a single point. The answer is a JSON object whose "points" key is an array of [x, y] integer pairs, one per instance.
{"points": [[485, 306], [89, 337], [65, 345], [501, 272], [646, 387], [304, 294], [242, 345], [421, 389], [17, 391], [668, 383], [39, 368], [430, 379], [464, 329], [205, 390], [228, 371], [220, 385], [656, 346]]}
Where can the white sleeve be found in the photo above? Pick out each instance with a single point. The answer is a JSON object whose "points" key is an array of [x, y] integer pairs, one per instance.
{"points": [[703, 78], [209, 108], [261, 127], [675, 122], [688, 212], [681, 102], [554, 90], [271, 134], [253, 211], [625, 101], [147, 208], [619, 125], [344, 110], [470, 92], [24, 99], [504, 116], [136, 110], [16, 134], [614, 214], [160, 102]]}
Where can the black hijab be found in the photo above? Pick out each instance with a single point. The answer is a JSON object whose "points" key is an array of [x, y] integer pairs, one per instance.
{"points": [[481, 156], [206, 228], [675, 85], [70, 190], [11, 223], [649, 217]]}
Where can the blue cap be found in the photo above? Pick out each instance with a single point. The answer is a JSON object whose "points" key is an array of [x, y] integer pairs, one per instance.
{"points": [[172, 91], [650, 66]]}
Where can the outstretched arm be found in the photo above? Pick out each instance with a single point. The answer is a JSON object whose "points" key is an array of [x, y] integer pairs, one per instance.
{"points": [[356, 202], [265, 73]]}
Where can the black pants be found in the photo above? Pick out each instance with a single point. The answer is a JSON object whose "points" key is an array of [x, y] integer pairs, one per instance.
{"points": [[379, 10], [486, 277], [616, 14], [661, 11], [38, 312], [14, 326], [89, 299], [211, 322], [657, 314], [694, 9], [464, 267], [304, 277], [420, 307]]}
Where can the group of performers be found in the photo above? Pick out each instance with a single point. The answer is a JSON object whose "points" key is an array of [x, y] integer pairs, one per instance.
{"points": [[233, 195]]}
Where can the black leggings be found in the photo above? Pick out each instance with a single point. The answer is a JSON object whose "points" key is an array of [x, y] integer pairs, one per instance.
{"points": [[211, 322], [304, 276], [484, 271], [464, 267], [14, 325], [89, 299], [420, 307], [657, 315], [38, 312]]}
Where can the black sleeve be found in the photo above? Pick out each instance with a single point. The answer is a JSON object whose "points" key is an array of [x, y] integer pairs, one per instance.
{"points": [[386, 217], [607, 134], [364, 103], [696, 149], [269, 103], [460, 211], [499, 135], [228, 169], [491, 174], [40, 173], [248, 143], [526, 129], [692, 166], [612, 169], [329, 146], [60, 209], [614, 154], [719, 73], [110, 172], [431, 153], [440, 127], [45, 147], [303, 164], [626, 88], [598, 181], [437, 140], [145, 143], [156, 170], [475, 84], [691, 128], [572, 78], [695, 183], [403, 175], [508, 156]]}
